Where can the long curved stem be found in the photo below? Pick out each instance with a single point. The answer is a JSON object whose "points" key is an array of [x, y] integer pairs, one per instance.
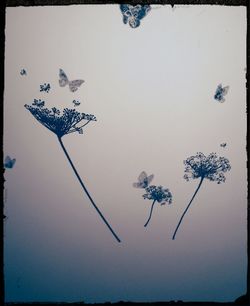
{"points": [[85, 189], [150, 215], [202, 178]]}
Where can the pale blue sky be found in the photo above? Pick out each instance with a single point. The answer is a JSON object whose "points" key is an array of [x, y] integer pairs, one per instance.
{"points": [[151, 89]]}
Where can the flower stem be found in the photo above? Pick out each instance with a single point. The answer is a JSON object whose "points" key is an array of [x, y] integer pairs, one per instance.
{"points": [[202, 178], [85, 189], [150, 215]]}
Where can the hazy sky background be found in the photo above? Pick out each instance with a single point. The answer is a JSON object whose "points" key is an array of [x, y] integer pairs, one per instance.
{"points": [[151, 89]]}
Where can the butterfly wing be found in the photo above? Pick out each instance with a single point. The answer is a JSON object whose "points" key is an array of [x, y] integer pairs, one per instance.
{"points": [[150, 178], [225, 90], [74, 85], [143, 11], [13, 162], [63, 79], [137, 185], [124, 8], [133, 22], [142, 177], [218, 91], [7, 162]]}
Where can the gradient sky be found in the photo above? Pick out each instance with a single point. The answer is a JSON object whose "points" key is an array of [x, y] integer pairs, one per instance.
{"points": [[151, 89]]}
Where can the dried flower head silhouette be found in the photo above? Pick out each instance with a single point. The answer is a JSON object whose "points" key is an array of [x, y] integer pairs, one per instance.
{"points": [[200, 166], [155, 193], [67, 123]]}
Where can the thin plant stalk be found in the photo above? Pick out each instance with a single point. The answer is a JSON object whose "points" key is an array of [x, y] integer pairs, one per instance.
{"points": [[85, 189], [150, 215], [185, 211]]}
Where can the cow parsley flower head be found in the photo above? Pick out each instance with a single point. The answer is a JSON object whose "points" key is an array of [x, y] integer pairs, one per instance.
{"points": [[60, 123], [201, 166], [210, 167], [158, 193], [63, 123]]}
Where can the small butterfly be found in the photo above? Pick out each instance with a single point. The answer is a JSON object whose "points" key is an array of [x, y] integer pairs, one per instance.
{"points": [[220, 93], [76, 103], [132, 14], [63, 81], [45, 87], [23, 72], [9, 163], [223, 145], [143, 180]]}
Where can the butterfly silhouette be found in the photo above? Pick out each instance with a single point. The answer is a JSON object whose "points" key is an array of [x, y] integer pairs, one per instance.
{"points": [[220, 93], [76, 103], [23, 72], [223, 145], [132, 14], [45, 87], [9, 163], [63, 81], [143, 180]]}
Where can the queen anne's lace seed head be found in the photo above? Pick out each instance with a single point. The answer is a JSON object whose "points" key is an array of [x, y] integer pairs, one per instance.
{"points": [[60, 124], [210, 167], [158, 193]]}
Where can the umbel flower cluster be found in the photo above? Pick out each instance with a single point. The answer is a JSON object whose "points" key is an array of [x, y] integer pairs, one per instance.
{"points": [[69, 121], [209, 167], [60, 124], [156, 193], [159, 194]]}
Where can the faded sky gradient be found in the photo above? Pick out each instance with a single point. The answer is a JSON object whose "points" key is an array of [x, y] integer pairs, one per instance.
{"points": [[151, 89]]}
